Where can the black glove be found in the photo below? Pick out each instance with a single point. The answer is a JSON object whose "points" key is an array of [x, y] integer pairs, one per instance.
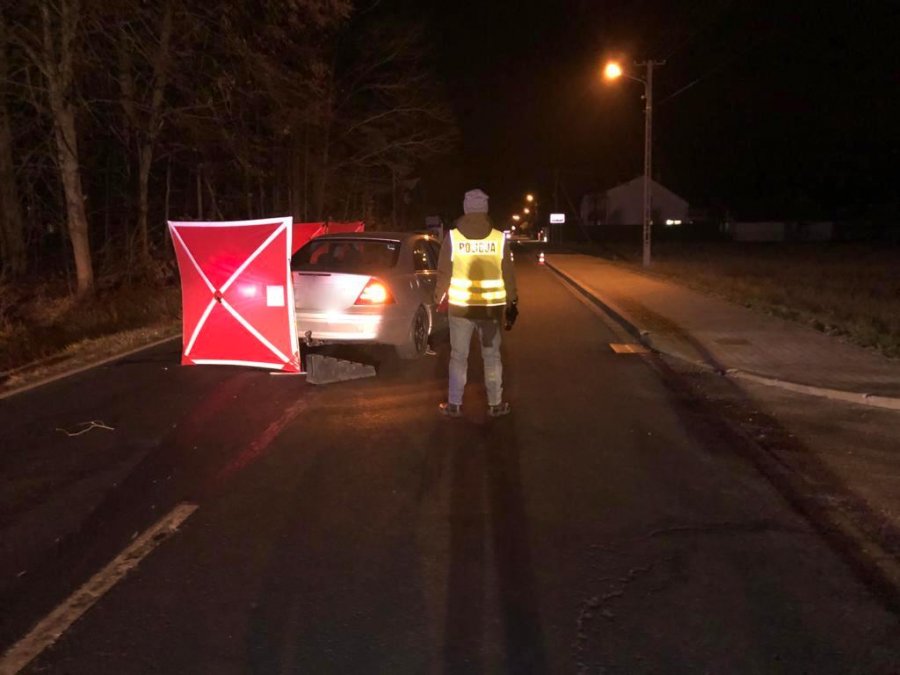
{"points": [[512, 313]]}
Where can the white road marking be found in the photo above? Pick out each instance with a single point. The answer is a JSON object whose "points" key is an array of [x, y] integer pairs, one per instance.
{"points": [[51, 627]]}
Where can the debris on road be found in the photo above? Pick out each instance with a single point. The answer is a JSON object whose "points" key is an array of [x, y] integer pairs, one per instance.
{"points": [[87, 426]]}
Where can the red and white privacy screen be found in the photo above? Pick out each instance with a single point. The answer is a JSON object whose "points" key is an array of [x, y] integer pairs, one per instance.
{"points": [[237, 297]]}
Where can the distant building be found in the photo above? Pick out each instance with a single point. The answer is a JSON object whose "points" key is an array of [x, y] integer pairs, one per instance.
{"points": [[624, 205]]}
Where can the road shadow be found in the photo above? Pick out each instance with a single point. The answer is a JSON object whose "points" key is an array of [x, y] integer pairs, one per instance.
{"points": [[486, 499]]}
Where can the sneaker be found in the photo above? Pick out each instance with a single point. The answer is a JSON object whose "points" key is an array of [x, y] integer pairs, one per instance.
{"points": [[451, 409], [499, 410]]}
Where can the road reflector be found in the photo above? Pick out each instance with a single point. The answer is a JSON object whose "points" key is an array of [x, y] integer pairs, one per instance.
{"points": [[628, 348]]}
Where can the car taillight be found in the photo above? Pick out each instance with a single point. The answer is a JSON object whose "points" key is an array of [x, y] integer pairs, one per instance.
{"points": [[375, 293]]}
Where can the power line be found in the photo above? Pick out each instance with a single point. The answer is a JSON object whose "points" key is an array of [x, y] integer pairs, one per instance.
{"points": [[725, 63], [702, 27]]}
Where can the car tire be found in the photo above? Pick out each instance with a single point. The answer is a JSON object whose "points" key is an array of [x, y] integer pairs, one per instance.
{"points": [[417, 340]]}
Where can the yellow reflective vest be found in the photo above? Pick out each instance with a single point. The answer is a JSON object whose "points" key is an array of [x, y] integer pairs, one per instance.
{"points": [[477, 278]]}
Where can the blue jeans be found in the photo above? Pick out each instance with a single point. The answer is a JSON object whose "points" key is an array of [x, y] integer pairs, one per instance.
{"points": [[460, 338]]}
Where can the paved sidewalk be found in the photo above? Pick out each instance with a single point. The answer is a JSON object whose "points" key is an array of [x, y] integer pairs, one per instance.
{"points": [[740, 342]]}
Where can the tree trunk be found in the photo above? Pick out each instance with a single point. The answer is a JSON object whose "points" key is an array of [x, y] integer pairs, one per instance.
{"points": [[213, 202], [168, 197], [200, 192], [76, 219], [321, 197], [160, 62], [145, 161], [55, 57], [248, 193], [261, 190], [12, 225], [168, 192]]}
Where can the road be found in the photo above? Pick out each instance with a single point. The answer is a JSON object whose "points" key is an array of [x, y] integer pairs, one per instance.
{"points": [[607, 525]]}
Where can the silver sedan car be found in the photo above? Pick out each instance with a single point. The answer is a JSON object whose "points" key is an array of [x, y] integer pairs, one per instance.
{"points": [[367, 288]]}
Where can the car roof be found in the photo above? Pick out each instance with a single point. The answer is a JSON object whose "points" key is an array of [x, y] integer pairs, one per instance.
{"points": [[390, 236]]}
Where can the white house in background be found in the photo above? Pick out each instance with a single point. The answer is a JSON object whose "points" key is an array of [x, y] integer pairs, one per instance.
{"points": [[624, 205]]}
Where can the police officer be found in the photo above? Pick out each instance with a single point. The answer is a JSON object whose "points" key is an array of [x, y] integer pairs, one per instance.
{"points": [[476, 275]]}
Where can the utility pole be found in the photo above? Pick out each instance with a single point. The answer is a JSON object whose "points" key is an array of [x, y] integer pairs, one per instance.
{"points": [[648, 154], [556, 189], [611, 72], [556, 237]]}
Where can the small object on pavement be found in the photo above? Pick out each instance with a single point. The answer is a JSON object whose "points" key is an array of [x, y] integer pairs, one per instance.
{"points": [[499, 410], [450, 409], [86, 427], [541, 258]]}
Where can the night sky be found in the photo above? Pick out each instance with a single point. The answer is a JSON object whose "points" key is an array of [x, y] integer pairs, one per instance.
{"points": [[787, 109]]}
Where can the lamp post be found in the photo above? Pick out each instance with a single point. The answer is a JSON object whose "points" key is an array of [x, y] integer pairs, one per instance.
{"points": [[531, 210], [613, 71]]}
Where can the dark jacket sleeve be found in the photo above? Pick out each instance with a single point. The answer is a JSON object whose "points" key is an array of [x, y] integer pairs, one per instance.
{"points": [[444, 270], [509, 275]]}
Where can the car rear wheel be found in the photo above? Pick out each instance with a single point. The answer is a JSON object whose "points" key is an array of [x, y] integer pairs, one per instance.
{"points": [[417, 341]]}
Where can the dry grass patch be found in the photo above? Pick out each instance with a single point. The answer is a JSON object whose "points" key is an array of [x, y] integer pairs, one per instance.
{"points": [[45, 322], [844, 289]]}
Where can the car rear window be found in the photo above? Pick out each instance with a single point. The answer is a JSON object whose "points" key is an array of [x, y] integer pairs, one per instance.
{"points": [[346, 255]]}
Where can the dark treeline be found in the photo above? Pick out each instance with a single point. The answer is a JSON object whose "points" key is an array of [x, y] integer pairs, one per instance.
{"points": [[118, 115]]}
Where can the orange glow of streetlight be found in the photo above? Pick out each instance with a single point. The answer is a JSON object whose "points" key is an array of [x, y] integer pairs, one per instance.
{"points": [[516, 217], [529, 198], [612, 71], [527, 210]]}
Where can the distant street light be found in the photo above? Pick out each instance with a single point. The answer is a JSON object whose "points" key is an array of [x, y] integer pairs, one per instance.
{"points": [[529, 198], [526, 210], [516, 217], [612, 71]]}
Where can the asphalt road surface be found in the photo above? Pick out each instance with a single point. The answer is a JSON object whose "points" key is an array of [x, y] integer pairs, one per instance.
{"points": [[605, 526]]}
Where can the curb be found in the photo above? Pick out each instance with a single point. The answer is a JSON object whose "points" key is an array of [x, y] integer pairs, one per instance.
{"points": [[644, 337], [867, 554], [873, 400], [81, 369]]}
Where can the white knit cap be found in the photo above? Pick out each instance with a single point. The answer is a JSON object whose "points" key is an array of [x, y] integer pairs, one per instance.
{"points": [[475, 201]]}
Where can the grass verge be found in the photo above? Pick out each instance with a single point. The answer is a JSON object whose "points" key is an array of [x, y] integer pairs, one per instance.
{"points": [[851, 290], [41, 325]]}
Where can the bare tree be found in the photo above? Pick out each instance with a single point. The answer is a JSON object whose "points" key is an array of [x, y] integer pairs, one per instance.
{"points": [[384, 114], [236, 101], [12, 226], [52, 47], [145, 32]]}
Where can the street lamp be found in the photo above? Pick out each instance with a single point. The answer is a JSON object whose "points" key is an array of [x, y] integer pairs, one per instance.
{"points": [[516, 217], [611, 72], [529, 198], [526, 210]]}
